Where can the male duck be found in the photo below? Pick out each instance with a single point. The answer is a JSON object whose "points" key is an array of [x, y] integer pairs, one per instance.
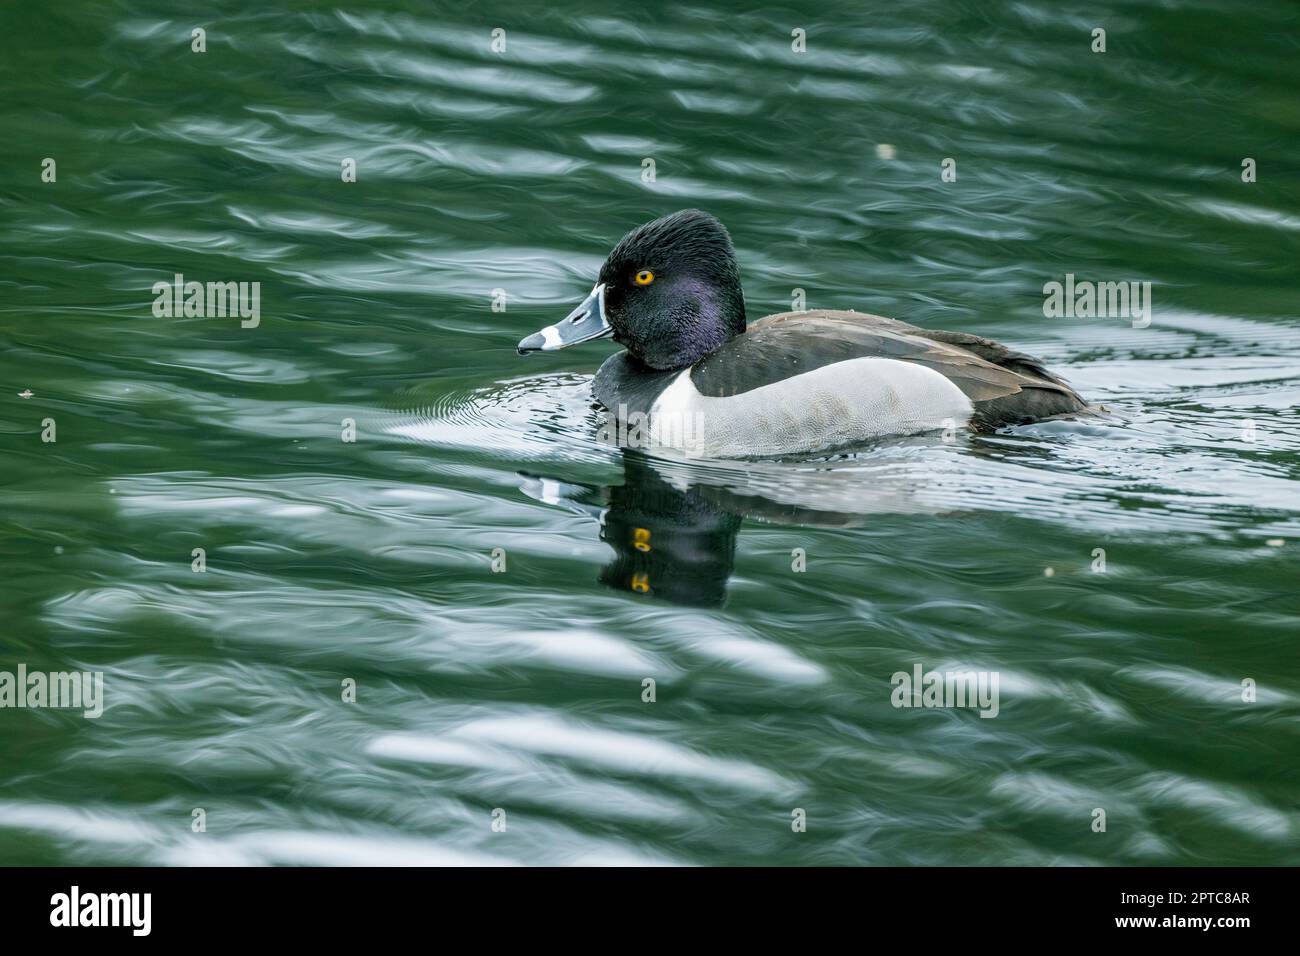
{"points": [[699, 379]]}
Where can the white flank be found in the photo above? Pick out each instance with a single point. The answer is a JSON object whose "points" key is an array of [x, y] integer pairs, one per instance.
{"points": [[835, 405]]}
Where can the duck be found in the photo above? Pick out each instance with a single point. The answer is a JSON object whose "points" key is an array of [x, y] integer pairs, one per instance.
{"points": [[695, 376]]}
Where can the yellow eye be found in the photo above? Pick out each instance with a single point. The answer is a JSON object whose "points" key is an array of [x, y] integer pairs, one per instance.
{"points": [[645, 277]]}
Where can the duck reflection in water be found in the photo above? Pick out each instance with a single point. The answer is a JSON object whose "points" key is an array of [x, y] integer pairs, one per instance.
{"points": [[672, 540], [668, 544]]}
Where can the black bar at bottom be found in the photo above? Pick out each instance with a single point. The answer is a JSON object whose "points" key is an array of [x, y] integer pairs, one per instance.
{"points": [[334, 905]]}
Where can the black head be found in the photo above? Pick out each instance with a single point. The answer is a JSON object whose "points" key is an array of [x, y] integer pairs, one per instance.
{"points": [[669, 293], [672, 290]]}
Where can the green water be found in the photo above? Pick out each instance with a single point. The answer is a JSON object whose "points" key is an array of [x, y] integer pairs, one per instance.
{"points": [[520, 688]]}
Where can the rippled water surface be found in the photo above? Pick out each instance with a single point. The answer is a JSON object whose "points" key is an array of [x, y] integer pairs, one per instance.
{"points": [[484, 175]]}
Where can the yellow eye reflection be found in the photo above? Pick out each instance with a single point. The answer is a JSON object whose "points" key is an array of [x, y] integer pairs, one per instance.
{"points": [[644, 277]]}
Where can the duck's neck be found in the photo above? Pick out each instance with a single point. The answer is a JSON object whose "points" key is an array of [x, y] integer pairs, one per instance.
{"points": [[732, 308]]}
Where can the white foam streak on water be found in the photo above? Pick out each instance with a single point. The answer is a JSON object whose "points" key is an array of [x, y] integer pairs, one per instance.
{"points": [[623, 752]]}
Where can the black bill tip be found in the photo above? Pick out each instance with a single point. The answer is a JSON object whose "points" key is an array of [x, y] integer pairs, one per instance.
{"points": [[531, 343]]}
